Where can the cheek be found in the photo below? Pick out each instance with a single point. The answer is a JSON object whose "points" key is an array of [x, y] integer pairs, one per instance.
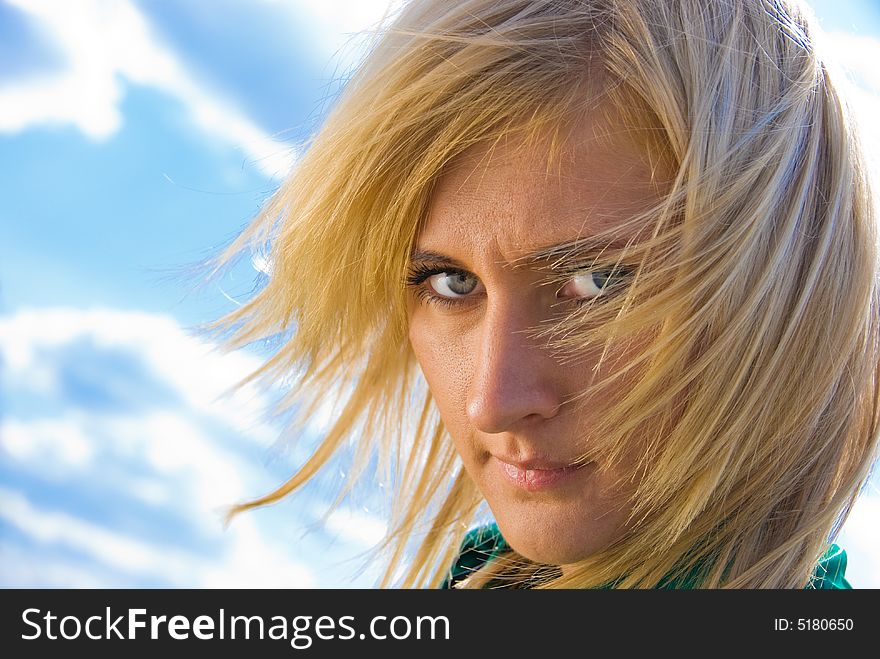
{"points": [[445, 363], [621, 367]]}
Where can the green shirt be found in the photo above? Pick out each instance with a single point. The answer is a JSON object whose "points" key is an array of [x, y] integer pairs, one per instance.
{"points": [[483, 543]]}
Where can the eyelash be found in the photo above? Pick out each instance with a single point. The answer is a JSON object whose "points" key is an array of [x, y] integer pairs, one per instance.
{"points": [[419, 273]]}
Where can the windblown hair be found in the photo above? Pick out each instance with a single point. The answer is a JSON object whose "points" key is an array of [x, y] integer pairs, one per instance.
{"points": [[755, 406]]}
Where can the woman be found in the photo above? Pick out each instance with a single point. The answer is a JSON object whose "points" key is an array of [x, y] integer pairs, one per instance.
{"points": [[606, 266]]}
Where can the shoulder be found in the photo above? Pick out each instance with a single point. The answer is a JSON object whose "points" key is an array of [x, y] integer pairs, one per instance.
{"points": [[480, 545], [829, 572]]}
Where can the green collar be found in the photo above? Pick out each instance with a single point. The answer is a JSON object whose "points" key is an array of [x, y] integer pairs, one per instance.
{"points": [[484, 543]]}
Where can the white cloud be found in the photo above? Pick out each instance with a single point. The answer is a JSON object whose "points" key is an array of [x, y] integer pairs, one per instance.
{"points": [[250, 561], [253, 562], [60, 439], [109, 548], [861, 540], [858, 56], [179, 462], [338, 25], [103, 43], [355, 526], [196, 371], [36, 569], [162, 443]]}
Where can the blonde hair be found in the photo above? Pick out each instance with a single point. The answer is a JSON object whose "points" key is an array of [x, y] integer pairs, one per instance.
{"points": [[755, 407]]}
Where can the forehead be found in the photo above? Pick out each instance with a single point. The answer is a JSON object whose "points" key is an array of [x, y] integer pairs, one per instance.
{"points": [[507, 200]]}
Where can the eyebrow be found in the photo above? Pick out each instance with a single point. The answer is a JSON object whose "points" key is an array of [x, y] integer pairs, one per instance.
{"points": [[538, 257]]}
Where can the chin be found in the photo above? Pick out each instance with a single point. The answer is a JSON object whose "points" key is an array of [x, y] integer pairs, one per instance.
{"points": [[558, 539], [551, 551]]}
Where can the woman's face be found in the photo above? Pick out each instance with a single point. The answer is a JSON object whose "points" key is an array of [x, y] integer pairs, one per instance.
{"points": [[500, 394]]}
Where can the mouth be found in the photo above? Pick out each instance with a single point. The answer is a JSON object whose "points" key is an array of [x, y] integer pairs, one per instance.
{"points": [[534, 477]]}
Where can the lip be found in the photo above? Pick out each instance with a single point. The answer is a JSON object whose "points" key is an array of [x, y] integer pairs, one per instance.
{"points": [[536, 475]]}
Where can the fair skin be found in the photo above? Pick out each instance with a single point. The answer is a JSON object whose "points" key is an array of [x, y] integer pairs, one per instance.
{"points": [[503, 397]]}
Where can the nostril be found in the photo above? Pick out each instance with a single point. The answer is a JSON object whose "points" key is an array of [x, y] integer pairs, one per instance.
{"points": [[497, 404]]}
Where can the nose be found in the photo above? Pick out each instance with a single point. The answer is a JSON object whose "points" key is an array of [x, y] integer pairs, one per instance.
{"points": [[515, 380]]}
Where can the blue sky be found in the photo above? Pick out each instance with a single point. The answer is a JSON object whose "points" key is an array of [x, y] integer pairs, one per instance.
{"points": [[135, 137]]}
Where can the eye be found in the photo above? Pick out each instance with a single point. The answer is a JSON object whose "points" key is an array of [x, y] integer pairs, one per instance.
{"points": [[586, 286], [444, 286], [453, 284]]}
